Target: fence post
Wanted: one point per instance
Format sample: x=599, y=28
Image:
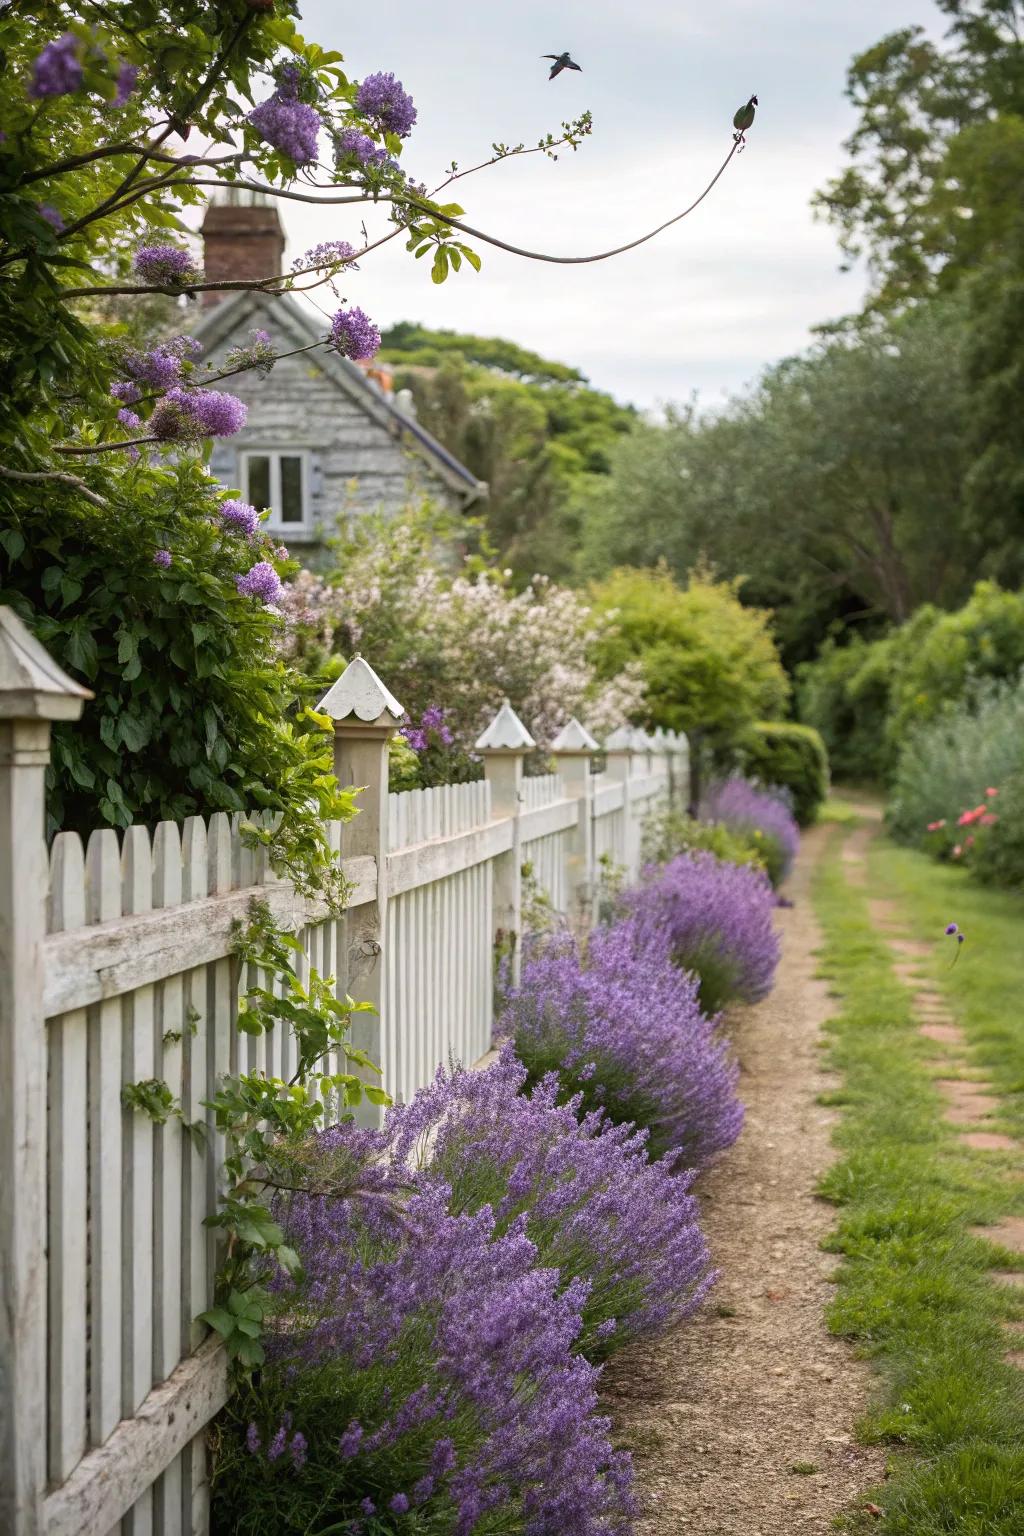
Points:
x=573, y=749
x=504, y=745
x=365, y=715
x=619, y=757
x=679, y=766
x=33, y=691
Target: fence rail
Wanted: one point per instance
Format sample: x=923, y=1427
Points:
x=117, y=966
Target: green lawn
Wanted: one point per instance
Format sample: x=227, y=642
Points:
x=913, y=1290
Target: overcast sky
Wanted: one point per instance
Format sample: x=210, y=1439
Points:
x=707, y=304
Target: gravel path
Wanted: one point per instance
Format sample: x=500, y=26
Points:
x=741, y=1422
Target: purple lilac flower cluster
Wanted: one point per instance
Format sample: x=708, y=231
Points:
x=759, y=815
x=428, y=1363
x=352, y=145
x=289, y=126
x=262, y=582
x=384, y=99
x=595, y=1206
x=715, y=919
x=432, y=720
x=185, y=415
x=623, y=1026
x=168, y=265
x=354, y=334
x=58, y=69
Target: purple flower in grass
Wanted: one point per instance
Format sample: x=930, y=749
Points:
x=58, y=69
x=127, y=75
x=252, y=1440
x=240, y=517
x=952, y=928
x=292, y=127
x=262, y=581
x=167, y=265
x=348, y=1445
x=354, y=334
x=162, y=558
x=384, y=98
x=276, y=1448
x=715, y=920
x=298, y=1450
x=399, y=1504
x=367, y=1507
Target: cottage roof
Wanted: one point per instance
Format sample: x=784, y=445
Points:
x=249, y=309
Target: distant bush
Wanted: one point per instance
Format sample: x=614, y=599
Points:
x=844, y=695
x=788, y=754
x=667, y=832
x=761, y=817
x=718, y=919
x=999, y=856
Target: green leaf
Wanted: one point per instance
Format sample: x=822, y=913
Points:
x=439, y=271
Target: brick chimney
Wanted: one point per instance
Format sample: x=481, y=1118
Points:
x=242, y=240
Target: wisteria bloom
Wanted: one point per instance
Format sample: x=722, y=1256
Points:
x=596, y=1207
x=384, y=98
x=354, y=334
x=261, y=581
x=185, y=415
x=127, y=76
x=52, y=216
x=288, y=125
x=124, y=389
x=623, y=1027
x=58, y=69
x=167, y=265
x=717, y=920
x=257, y=353
x=759, y=815
x=350, y=144
x=129, y=419
x=158, y=368
x=240, y=517
x=329, y=253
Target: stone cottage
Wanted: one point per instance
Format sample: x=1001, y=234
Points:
x=325, y=438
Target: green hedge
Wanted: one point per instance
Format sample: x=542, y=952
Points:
x=780, y=752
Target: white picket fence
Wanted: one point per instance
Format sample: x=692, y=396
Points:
x=117, y=967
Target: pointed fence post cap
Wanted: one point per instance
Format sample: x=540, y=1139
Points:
x=359, y=693
x=641, y=741
x=32, y=686
x=506, y=733
x=620, y=740
x=574, y=738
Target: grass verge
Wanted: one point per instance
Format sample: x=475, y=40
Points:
x=912, y=1289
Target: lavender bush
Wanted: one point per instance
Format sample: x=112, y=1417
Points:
x=422, y=1376
x=761, y=816
x=622, y=1026
x=595, y=1207
x=716, y=919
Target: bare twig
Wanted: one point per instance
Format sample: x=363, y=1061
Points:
x=54, y=474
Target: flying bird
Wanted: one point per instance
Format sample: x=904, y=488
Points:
x=562, y=61
x=744, y=119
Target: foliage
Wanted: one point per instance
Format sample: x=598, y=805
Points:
x=596, y=1209
x=761, y=815
x=715, y=919
x=793, y=756
x=531, y=429
x=998, y=857
x=398, y=597
x=622, y=1028
x=843, y=694
x=423, y=1364
x=667, y=832
x=709, y=665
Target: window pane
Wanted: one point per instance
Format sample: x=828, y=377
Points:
x=258, y=490
x=291, y=489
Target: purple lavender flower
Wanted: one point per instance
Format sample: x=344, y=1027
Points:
x=240, y=517
x=52, y=216
x=952, y=928
x=276, y=1447
x=127, y=75
x=422, y=1490
x=261, y=581
x=624, y=1028
x=252, y=1440
x=399, y=1504
x=354, y=334
x=383, y=98
x=298, y=1450
x=289, y=126
x=367, y=1507
x=348, y=1445
x=167, y=265
x=162, y=558
x=760, y=816
x=58, y=69
x=184, y=415
x=715, y=918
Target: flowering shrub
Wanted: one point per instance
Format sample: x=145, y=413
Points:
x=596, y=1208
x=793, y=756
x=716, y=920
x=760, y=817
x=667, y=832
x=424, y=1366
x=622, y=1026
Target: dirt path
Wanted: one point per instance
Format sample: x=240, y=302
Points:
x=741, y=1422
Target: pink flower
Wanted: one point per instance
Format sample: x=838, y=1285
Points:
x=969, y=841
x=989, y=819
x=991, y=792
x=936, y=826
x=957, y=851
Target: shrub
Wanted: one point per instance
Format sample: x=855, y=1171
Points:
x=947, y=765
x=423, y=1364
x=760, y=817
x=595, y=1207
x=999, y=855
x=791, y=755
x=622, y=1028
x=667, y=832
x=844, y=694
x=717, y=921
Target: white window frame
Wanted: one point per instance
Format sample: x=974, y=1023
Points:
x=273, y=521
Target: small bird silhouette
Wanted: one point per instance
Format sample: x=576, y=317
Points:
x=744, y=119
x=562, y=61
